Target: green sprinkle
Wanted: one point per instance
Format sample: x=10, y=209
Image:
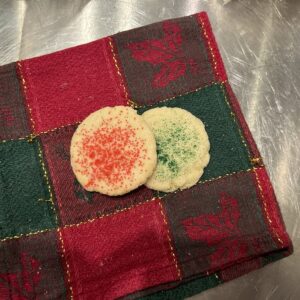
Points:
x=176, y=145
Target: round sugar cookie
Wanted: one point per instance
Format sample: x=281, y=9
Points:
x=182, y=148
x=113, y=151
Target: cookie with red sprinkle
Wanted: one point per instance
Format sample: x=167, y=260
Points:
x=113, y=151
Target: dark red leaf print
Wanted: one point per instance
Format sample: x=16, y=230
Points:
x=214, y=228
x=22, y=283
x=168, y=73
x=230, y=251
x=166, y=53
x=151, y=51
x=172, y=35
x=194, y=67
x=220, y=231
x=7, y=116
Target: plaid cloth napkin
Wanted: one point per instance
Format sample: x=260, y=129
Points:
x=59, y=241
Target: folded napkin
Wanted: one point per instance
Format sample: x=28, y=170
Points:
x=59, y=241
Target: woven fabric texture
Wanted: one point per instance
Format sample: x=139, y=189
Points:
x=58, y=241
x=75, y=203
x=66, y=86
x=164, y=59
x=13, y=120
x=228, y=152
x=25, y=199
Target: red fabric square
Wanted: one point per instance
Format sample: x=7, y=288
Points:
x=76, y=204
x=120, y=254
x=66, y=86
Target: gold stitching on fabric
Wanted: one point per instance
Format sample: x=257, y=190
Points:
x=24, y=235
x=135, y=106
x=257, y=161
x=254, y=161
x=60, y=127
x=152, y=199
x=215, y=178
x=209, y=46
x=111, y=214
x=32, y=136
x=264, y=205
x=132, y=103
x=83, y=222
x=40, y=154
x=180, y=95
x=234, y=119
x=25, y=94
x=63, y=255
x=226, y=175
x=123, y=209
x=170, y=241
x=17, y=139
x=45, y=200
x=129, y=102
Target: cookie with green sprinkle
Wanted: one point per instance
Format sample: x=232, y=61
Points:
x=182, y=148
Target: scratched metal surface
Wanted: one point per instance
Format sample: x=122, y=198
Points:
x=260, y=44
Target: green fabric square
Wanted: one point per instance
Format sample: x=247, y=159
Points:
x=186, y=289
x=23, y=190
x=228, y=152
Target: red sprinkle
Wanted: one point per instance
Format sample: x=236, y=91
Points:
x=110, y=154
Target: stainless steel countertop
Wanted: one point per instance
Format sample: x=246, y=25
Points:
x=260, y=44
